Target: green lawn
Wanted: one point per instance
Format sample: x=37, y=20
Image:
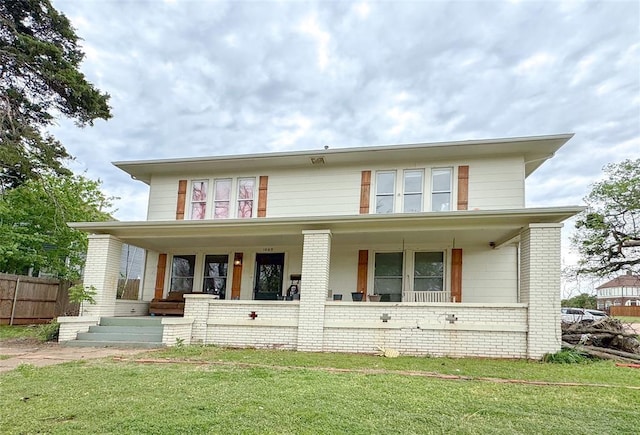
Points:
x=628, y=319
x=248, y=391
x=19, y=332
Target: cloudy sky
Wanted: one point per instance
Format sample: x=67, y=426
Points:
x=193, y=78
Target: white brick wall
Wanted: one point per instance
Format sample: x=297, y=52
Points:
x=70, y=326
x=540, y=286
x=276, y=325
x=196, y=307
x=102, y=270
x=176, y=330
x=316, y=253
x=485, y=330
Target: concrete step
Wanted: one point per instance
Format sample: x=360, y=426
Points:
x=130, y=321
x=120, y=337
x=126, y=329
x=118, y=344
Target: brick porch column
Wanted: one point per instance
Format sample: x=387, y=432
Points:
x=316, y=253
x=540, y=287
x=102, y=270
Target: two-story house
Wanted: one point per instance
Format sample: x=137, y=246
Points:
x=622, y=291
x=439, y=231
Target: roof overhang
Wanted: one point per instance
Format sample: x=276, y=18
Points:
x=534, y=149
x=474, y=227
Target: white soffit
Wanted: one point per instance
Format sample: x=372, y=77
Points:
x=534, y=149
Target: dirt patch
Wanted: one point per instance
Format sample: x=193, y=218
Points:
x=29, y=351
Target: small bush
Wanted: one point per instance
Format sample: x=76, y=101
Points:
x=49, y=331
x=566, y=356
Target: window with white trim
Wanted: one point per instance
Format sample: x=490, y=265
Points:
x=428, y=271
x=387, y=276
x=246, y=193
x=424, y=271
x=182, y=273
x=441, y=182
x=413, y=184
x=385, y=191
x=221, y=198
x=199, y=199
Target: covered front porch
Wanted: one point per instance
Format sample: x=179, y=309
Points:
x=500, y=270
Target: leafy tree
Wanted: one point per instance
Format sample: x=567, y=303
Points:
x=33, y=224
x=608, y=232
x=583, y=300
x=39, y=79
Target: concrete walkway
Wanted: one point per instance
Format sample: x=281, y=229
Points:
x=40, y=355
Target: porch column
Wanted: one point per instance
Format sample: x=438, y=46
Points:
x=316, y=253
x=540, y=287
x=102, y=270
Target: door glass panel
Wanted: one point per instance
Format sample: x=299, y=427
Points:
x=269, y=275
x=428, y=271
x=215, y=275
x=182, y=271
x=388, y=276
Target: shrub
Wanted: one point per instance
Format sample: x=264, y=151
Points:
x=49, y=331
x=566, y=356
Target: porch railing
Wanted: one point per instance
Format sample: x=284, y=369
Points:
x=426, y=296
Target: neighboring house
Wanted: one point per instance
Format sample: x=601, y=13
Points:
x=623, y=291
x=439, y=230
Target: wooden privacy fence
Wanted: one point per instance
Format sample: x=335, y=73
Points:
x=633, y=311
x=128, y=289
x=25, y=300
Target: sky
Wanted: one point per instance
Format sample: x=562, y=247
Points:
x=202, y=78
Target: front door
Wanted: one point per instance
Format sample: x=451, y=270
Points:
x=269, y=274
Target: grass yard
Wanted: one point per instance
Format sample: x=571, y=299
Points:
x=19, y=332
x=628, y=319
x=212, y=390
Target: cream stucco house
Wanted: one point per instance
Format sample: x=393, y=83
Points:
x=439, y=230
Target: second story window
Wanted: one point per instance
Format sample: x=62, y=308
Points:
x=246, y=191
x=199, y=199
x=221, y=198
x=385, y=191
x=412, y=191
x=441, y=189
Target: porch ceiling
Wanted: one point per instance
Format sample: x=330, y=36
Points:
x=467, y=227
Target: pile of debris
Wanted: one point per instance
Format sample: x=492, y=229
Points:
x=605, y=338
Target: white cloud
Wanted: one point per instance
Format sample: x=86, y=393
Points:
x=193, y=78
x=309, y=26
x=362, y=9
x=535, y=64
